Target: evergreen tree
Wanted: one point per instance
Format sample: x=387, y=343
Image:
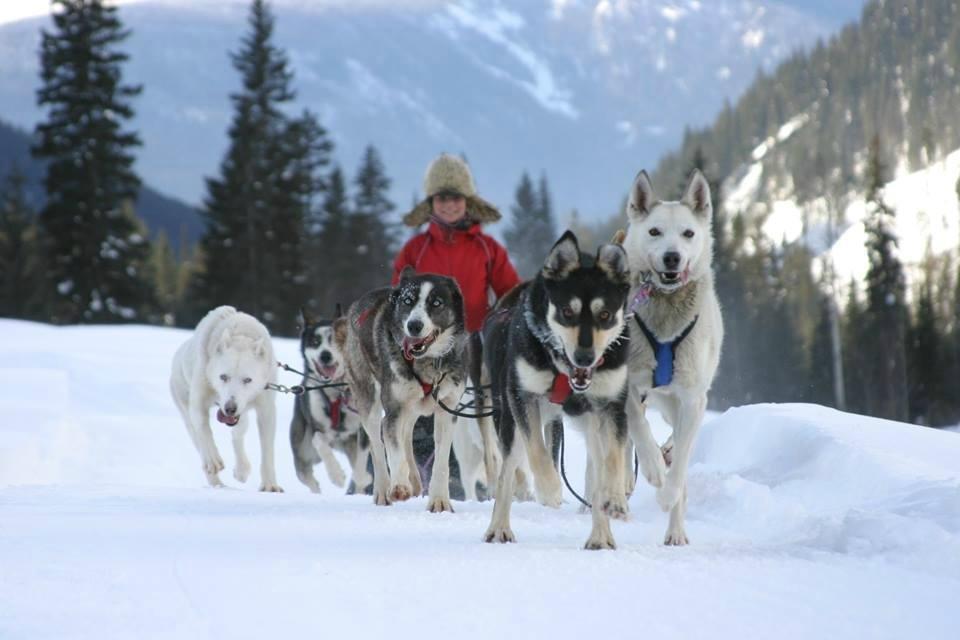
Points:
x=333, y=267
x=95, y=256
x=370, y=230
x=926, y=361
x=886, y=307
x=258, y=209
x=19, y=267
x=857, y=361
x=532, y=231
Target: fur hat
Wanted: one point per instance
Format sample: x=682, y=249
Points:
x=449, y=174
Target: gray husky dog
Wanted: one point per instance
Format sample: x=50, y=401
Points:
x=676, y=332
x=556, y=347
x=405, y=353
x=325, y=419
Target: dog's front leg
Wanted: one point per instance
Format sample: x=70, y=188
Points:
x=601, y=535
x=241, y=468
x=267, y=426
x=546, y=480
x=203, y=437
x=648, y=451
x=373, y=425
x=499, y=529
x=334, y=470
x=442, y=440
x=397, y=423
x=672, y=496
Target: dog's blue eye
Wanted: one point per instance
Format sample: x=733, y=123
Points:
x=688, y=233
x=437, y=302
x=408, y=301
x=225, y=377
x=654, y=231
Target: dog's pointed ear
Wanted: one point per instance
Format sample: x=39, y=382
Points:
x=225, y=338
x=612, y=260
x=303, y=319
x=619, y=237
x=340, y=326
x=260, y=348
x=563, y=258
x=641, y=197
x=697, y=194
x=337, y=311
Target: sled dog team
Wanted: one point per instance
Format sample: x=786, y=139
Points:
x=590, y=343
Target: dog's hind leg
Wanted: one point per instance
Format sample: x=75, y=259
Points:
x=672, y=495
x=648, y=451
x=442, y=441
x=241, y=468
x=359, y=453
x=267, y=427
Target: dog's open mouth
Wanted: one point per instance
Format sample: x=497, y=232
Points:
x=674, y=278
x=326, y=372
x=416, y=347
x=580, y=379
x=230, y=421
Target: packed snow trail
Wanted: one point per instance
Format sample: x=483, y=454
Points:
x=804, y=522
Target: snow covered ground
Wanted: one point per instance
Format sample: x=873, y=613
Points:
x=805, y=523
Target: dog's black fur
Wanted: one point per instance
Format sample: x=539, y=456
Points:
x=569, y=320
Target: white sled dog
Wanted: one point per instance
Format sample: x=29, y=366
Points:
x=228, y=362
x=675, y=333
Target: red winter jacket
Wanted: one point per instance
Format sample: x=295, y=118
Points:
x=475, y=260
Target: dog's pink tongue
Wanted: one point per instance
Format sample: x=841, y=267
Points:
x=227, y=420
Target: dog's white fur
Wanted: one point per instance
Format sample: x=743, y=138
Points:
x=227, y=363
x=656, y=228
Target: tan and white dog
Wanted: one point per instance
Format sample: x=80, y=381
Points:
x=228, y=362
x=675, y=333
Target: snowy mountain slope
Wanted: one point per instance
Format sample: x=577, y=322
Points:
x=587, y=91
x=925, y=201
x=805, y=522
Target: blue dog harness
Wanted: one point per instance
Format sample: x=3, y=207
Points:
x=665, y=352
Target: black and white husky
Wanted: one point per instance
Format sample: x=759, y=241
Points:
x=556, y=347
x=405, y=352
x=324, y=418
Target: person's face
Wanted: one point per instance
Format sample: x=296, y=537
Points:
x=448, y=207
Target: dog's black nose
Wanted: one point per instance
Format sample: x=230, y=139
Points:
x=671, y=260
x=583, y=357
x=414, y=327
x=325, y=357
x=230, y=408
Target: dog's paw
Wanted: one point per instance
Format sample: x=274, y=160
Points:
x=336, y=475
x=380, y=497
x=213, y=464
x=524, y=494
x=241, y=471
x=615, y=506
x=667, y=452
x=652, y=467
x=669, y=495
x=549, y=492
x=270, y=487
x=439, y=504
x=499, y=534
x=400, y=492
x=599, y=541
x=676, y=537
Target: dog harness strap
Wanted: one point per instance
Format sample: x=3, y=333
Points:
x=335, y=413
x=665, y=352
x=560, y=390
